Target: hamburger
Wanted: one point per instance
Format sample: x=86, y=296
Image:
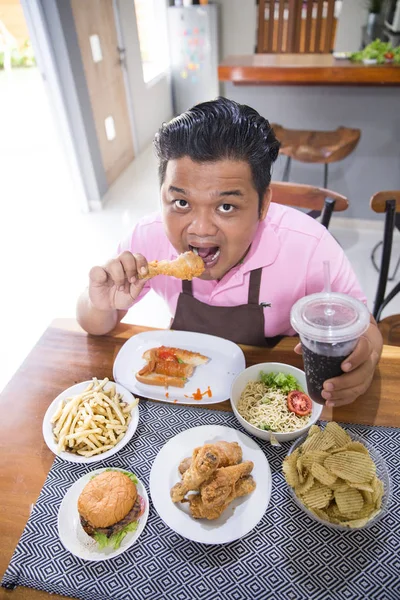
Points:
x=109, y=507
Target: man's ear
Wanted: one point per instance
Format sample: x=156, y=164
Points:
x=266, y=201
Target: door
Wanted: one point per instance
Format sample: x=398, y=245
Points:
x=98, y=42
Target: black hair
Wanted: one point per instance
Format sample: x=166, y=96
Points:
x=217, y=130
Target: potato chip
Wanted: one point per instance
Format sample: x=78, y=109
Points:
x=377, y=494
x=315, y=456
x=302, y=488
x=318, y=496
x=368, y=497
x=290, y=470
x=367, y=487
x=313, y=429
x=349, y=501
x=339, y=484
x=323, y=476
x=319, y=441
x=355, y=523
x=354, y=467
x=339, y=435
x=357, y=447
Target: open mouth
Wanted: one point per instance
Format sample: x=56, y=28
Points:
x=209, y=255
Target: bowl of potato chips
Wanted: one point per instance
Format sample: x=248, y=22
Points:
x=90, y=421
x=337, y=478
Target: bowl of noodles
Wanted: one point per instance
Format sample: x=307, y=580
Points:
x=259, y=400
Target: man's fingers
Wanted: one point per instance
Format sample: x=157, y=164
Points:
x=342, y=402
x=359, y=355
x=141, y=265
x=129, y=265
x=298, y=349
x=98, y=276
x=347, y=381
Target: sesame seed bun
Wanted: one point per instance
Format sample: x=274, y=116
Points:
x=107, y=498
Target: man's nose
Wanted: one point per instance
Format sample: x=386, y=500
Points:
x=202, y=224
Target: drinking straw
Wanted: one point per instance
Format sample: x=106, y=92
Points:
x=329, y=311
x=327, y=277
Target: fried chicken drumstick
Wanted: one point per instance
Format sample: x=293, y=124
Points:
x=205, y=461
x=186, y=266
x=221, y=486
x=199, y=510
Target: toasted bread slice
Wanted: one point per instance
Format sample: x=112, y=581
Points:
x=186, y=356
x=161, y=380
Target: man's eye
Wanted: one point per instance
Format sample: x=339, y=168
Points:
x=226, y=208
x=181, y=203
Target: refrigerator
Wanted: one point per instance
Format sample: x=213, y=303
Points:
x=193, y=44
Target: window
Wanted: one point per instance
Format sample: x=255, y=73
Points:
x=151, y=21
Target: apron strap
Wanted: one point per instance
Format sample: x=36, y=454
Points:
x=254, y=286
x=187, y=287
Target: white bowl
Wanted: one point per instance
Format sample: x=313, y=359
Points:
x=381, y=472
x=253, y=374
x=47, y=427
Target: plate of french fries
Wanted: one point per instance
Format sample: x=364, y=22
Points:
x=90, y=421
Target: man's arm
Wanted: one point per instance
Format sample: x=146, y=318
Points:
x=95, y=321
x=112, y=290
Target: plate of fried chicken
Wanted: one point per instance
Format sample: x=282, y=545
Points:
x=211, y=484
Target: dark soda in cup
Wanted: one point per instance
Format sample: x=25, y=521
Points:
x=329, y=325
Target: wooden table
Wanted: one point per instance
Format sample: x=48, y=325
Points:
x=66, y=355
x=304, y=69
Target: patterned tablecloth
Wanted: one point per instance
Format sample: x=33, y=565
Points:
x=286, y=556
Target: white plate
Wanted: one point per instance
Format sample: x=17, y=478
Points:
x=226, y=360
x=239, y=517
x=71, y=532
x=78, y=389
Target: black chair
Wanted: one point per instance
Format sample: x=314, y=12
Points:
x=388, y=203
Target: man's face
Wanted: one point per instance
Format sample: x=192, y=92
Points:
x=212, y=209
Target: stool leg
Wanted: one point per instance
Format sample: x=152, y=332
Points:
x=286, y=172
x=326, y=176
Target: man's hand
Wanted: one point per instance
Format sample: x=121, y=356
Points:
x=358, y=369
x=116, y=285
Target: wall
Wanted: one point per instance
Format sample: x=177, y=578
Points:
x=151, y=103
x=238, y=26
x=374, y=164
x=353, y=17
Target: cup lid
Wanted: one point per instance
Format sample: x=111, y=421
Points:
x=330, y=317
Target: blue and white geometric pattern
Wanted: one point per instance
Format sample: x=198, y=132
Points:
x=287, y=556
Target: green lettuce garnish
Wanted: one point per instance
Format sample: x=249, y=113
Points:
x=115, y=540
x=131, y=476
x=280, y=381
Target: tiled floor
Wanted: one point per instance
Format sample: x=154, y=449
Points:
x=47, y=246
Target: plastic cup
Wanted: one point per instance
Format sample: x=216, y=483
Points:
x=329, y=325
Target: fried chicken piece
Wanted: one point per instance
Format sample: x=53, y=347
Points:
x=230, y=454
x=244, y=486
x=221, y=485
x=185, y=464
x=205, y=461
x=186, y=266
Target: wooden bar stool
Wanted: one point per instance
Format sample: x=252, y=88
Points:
x=317, y=200
x=388, y=203
x=321, y=147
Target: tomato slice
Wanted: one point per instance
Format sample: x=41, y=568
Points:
x=299, y=403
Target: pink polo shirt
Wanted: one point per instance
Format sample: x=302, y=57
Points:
x=289, y=246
